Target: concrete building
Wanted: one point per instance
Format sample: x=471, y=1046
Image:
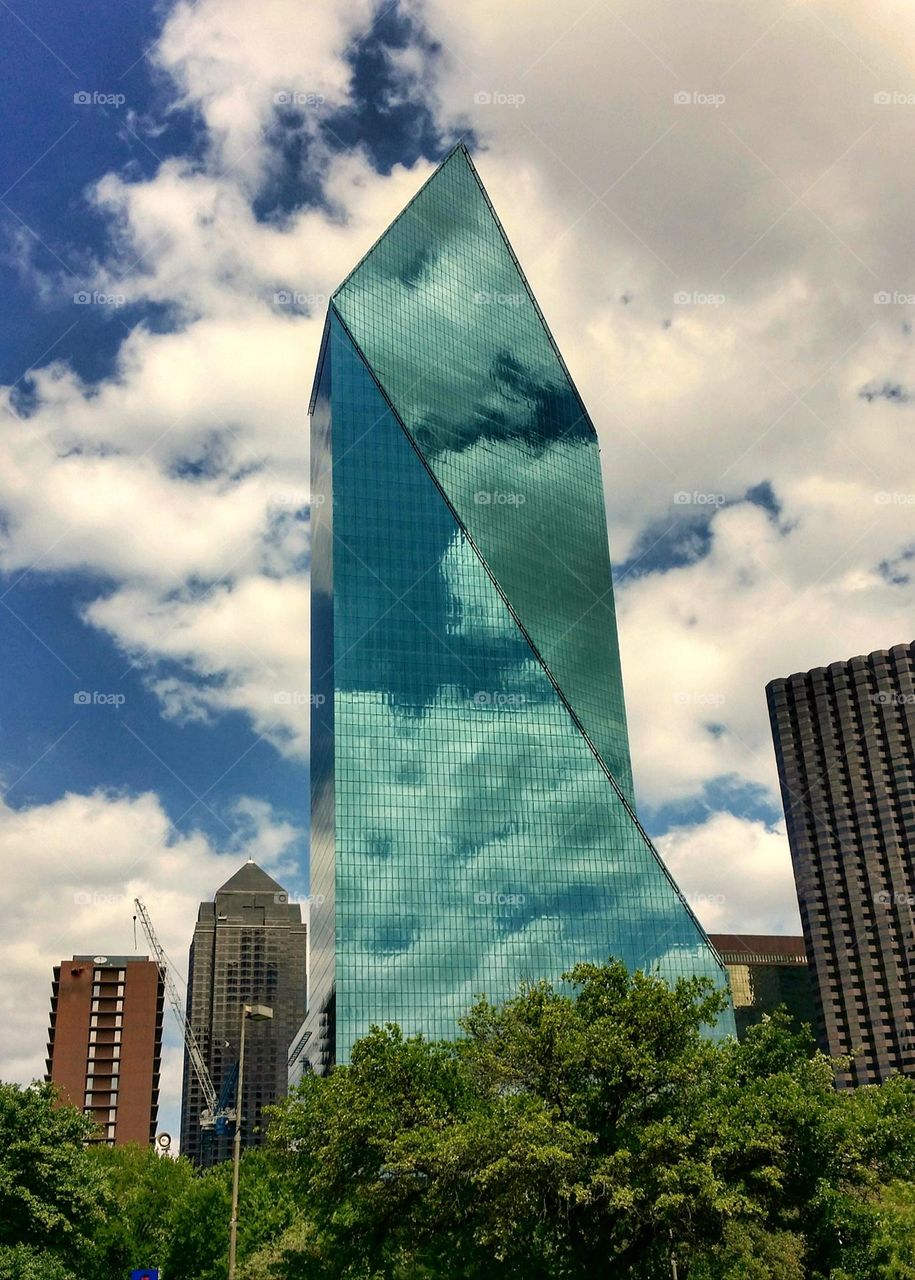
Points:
x=845, y=747
x=766, y=971
x=249, y=947
x=105, y=1042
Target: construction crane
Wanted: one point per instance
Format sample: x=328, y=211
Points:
x=218, y=1113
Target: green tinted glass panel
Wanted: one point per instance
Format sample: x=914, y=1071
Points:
x=465, y=834
x=445, y=319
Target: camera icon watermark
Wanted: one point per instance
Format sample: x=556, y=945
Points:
x=297, y=298
x=495, y=498
x=696, y=98
x=95, y=298
x=484, y=298
x=495, y=698
x=695, y=298
x=97, y=698
x=684, y=499
x=699, y=900
x=894, y=499
x=496, y=98
x=298, y=98
x=296, y=499
x=892, y=698
x=700, y=698
x=83, y=98
x=92, y=898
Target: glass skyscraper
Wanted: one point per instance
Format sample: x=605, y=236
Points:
x=472, y=804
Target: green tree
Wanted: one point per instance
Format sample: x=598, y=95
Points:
x=590, y=1130
x=145, y=1192
x=894, y=1236
x=198, y=1243
x=52, y=1194
x=586, y=1130
x=24, y=1262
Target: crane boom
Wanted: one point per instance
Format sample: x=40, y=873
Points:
x=190, y=1040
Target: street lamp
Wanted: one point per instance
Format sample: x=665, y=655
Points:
x=256, y=1013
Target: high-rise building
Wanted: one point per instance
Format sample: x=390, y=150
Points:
x=766, y=972
x=472, y=804
x=105, y=1042
x=845, y=748
x=249, y=948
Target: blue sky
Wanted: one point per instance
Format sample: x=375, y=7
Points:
x=59, y=147
x=706, y=226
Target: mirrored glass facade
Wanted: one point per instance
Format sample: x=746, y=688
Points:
x=472, y=819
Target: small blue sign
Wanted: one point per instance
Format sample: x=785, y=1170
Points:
x=145, y=1273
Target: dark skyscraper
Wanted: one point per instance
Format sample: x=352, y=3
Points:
x=845, y=747
x=249, y=947
x=473, y=819
x=766, y=971
x=105, y=1042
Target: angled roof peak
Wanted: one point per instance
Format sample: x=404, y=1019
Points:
x=459, y=149
x=250, y=878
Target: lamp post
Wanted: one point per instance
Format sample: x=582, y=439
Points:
x=257, y=1013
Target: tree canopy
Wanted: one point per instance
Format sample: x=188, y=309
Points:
x=593, y=1131
x=587, y=1129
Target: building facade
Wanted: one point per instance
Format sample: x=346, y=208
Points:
x=766, y=972
x=105, y=1042
x=473, y=818
x=249, y=947
x=845, y=747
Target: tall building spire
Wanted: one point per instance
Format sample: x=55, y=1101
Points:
x=473, y=819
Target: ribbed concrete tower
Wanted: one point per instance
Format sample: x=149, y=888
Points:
x=845, y=748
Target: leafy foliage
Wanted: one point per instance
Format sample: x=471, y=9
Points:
x=590, y=1129
x=52, y=1195
x=147, y=1191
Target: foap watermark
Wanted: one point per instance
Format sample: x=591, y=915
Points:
x=496, y=498
x=296, y=499
x=95, y=298
x=496, y=98
x=495, y=698
x=897, y=899
x=892, y=698
x=489, y=898
x=298, y=98
x=885, y=298
x=298, y=698
x=300, y=899
x=684, y=499
x=894, y=98
x=695, y=298
x=483, y=298
x=296, y=298
x=700, y=698
x=698, y=98
x=98, y=698
x=83, y=98
x=894, y=499
x=92, y=898
x=699, y=900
